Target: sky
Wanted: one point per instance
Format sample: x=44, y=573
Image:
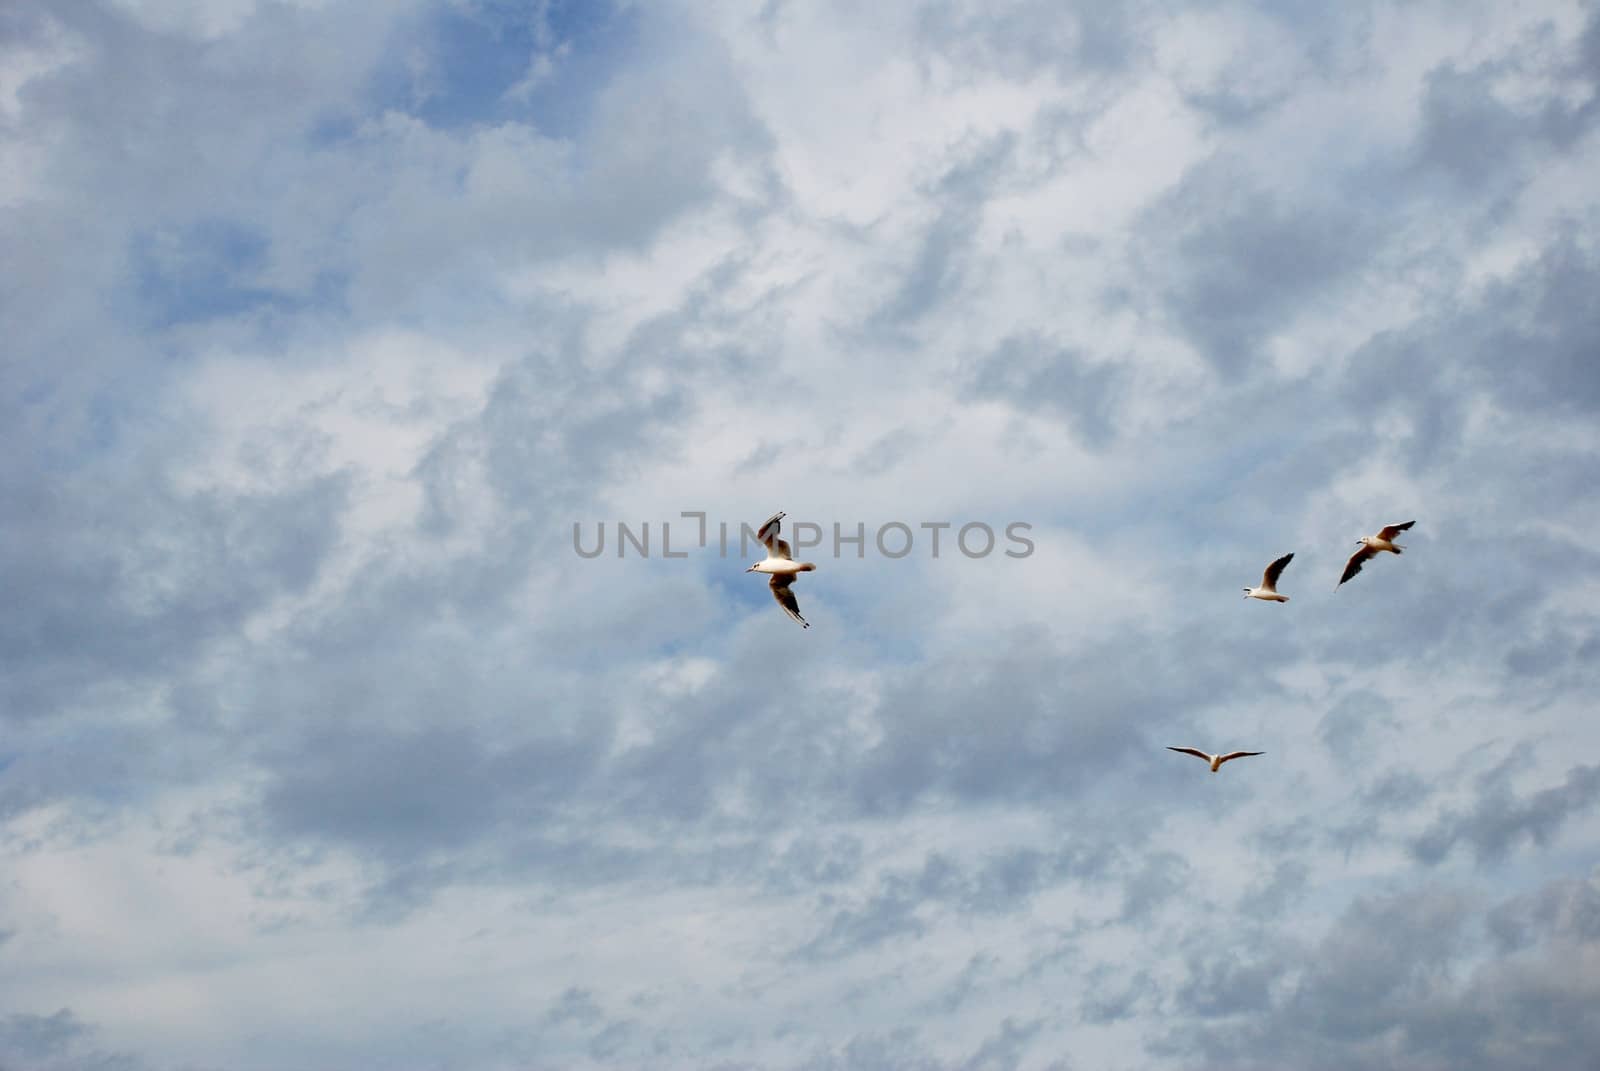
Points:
x=328, y=321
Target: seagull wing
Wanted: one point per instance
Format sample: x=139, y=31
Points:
x=1196, y=752
x=1357, y=560
x=769, y=530
x=785, y=595
x=779, y=548
x=1389, y=531
x=1238, y=755
x=1269, y=579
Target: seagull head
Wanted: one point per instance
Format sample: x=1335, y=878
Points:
x=753, y=568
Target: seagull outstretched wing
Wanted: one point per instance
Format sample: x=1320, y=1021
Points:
x=1269, y=579
x=768, y=535
x=1389, y=531
x=1357, y=560
x=785, y=595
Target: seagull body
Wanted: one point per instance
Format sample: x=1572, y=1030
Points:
x=1371, y=547
x=1216, y=761
x=781, y=568
x=1268, y=591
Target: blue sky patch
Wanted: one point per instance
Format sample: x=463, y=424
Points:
x=209, y=270
x=199, y=272
x=474, y=63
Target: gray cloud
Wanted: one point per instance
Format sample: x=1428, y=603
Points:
x=1568, y=908
x=1034, y=375
x=1220, y=985
x=37, y=1037
x=903, y=1050
x=56, y=1042
x=1005, y=725
x=1471, y=134
x=1108, y=1004
x=1500, y=819
x=1234, y=260
x=1350, y=728
x=935, y=272
x=1288, y=885
x=1382, y=956
x=1158, y=879
x=120, y=585
x=1541, y=313
x=1071, y=40
x=906, y=902
x=1389, y=985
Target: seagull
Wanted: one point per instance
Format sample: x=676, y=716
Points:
x=781, y=567
x=1268, y=590
x=1216, y=761
x=1370, y=546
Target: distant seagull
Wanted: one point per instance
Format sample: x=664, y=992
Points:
x=1268, y=590
x=781, y=567
x=1216, y=761
x=1370, y=546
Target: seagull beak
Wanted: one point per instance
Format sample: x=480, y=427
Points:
x=751, y=569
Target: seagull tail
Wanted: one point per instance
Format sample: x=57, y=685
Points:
x=805, y=567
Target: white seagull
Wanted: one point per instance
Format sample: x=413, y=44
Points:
x=1216, y=761
x=781, y=567
x=1370, y=546
x=1268, y=590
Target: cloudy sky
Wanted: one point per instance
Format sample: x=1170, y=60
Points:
x=326, y=320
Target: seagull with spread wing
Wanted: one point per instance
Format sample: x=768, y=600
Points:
x=1371, y=547
x=780, y=567
x=1216, y=761
x=1268, y=591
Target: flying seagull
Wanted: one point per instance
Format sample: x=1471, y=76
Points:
x=1216, y=761
x=1268, y=591
x=1370, y=546
x=781, y=567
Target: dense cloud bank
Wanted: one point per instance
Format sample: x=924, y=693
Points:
x=327, y=321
